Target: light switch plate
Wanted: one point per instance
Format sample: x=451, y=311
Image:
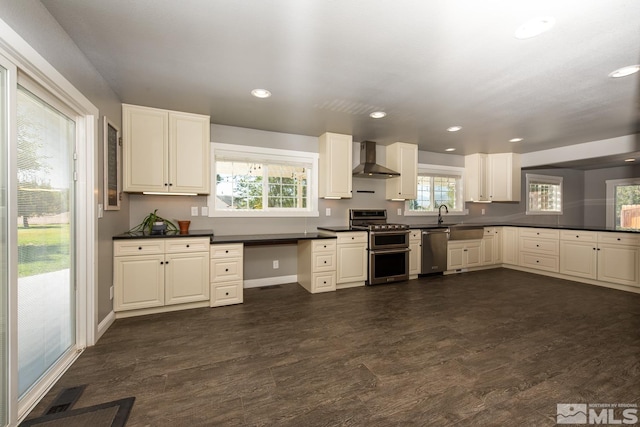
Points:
x=327, y=211
x=194, y=211
x=400, y=211
x=205, y=210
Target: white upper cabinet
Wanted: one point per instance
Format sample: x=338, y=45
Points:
x=402, y=158
x=165, y=151
x=492, y=177
x=335, y=165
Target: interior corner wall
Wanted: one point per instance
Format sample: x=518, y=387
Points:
x=31, y=20
x=595, y=194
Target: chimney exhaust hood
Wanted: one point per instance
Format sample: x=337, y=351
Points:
x=368, y=168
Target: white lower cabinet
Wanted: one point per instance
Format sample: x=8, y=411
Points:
x=510, y=245
x=227, y=273
x=415, y=255
x=578, y=254
x=317, y=265
x=492, y=246
x=154, y=273
x=464, y=254
x=351, y=259
x=539, y=249
x=618, y=258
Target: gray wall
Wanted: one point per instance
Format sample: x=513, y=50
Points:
x=32, y=21
x=595, y=191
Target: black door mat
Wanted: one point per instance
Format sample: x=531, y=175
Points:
x=110, y=414
x=65, y=399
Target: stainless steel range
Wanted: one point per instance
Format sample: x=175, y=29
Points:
x=388, y=245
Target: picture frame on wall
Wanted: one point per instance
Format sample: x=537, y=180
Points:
x=112, y=166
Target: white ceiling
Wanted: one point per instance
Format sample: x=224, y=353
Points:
x=429, y=64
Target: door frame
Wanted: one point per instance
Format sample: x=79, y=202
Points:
x=26, y=59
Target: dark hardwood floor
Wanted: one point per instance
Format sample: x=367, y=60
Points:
x=496, y=347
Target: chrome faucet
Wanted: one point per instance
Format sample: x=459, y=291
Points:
x=446, y=209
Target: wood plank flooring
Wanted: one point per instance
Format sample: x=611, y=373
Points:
x=495, y=347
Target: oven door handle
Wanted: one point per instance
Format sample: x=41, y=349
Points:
x=388, y=251
x=375, y=233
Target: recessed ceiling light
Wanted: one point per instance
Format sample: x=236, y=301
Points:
x=624, y=71
x=534, y=27
x=261, y=93
x=629, y=160
x=454, y=128
x=515, y=140
x=450, y=149
x=377, y=114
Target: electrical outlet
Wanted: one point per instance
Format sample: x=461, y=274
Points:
x=400, y=211
x=194, y=211
x=276, y=264
x=482, y=211
x=327, y=211
x=111, y=292
x=204, y=210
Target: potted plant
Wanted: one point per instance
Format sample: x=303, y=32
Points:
x=154, y=224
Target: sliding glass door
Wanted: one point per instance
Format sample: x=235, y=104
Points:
x=46, y=279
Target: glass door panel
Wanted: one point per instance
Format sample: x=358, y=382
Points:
x=46, y=291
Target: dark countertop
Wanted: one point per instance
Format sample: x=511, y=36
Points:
x=510, y=224
x=269, y=239
x=168, y=234
x=337, y=228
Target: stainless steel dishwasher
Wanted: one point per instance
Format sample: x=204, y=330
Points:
x=434, y=250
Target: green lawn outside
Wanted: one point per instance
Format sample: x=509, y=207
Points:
x=43, y=249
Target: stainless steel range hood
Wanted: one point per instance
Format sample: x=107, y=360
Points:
x=368, y=168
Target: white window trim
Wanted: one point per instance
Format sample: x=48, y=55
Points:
x=265, y=154
x=544, y=179
x=440, y=170
x=611, y=200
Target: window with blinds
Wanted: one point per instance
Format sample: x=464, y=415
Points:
x=544, y=195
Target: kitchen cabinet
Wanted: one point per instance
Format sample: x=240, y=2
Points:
x=402, y=158
x=155, y=273
x=464, y=254
x=510, y=245
x=317, y=265
x=492, y=246
x=578, y=253
x=351, y=259
x=492, y=177
x=335, y=166
x=539, y=248
x=165, y=151
x=618, y=258
x=227, y=274
x=415, y=255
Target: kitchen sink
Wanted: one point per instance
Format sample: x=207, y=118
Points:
x=466, y=232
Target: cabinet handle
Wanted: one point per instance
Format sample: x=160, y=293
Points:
x=139, y=248
x=325, y=262
x=594, y=249
x=166, y=262
x=537, y=246
x=325, y=282
x=226, y=252
x=598, y=248
x=538, y=234
x=226, y=293
x=465, y=250
x=170, y=184
x=166, y=184
x=352, y=238
x=537, y=261
x=618, y=239
x=226, y=269
x=187, y=245
x=577, y=237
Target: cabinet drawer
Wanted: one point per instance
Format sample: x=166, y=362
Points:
x=357, y=237
x=325, y=282
x=415, y=235
x=630, y=239
x=324, y=245
x=550, y=247
x=323, y=261
x=138, y=247
x=578, y=235
x=226, y=294
x=226, y=251
x=489, y=231
x=541, y=262
x=224, y=270
x=541, y=233
x=182, y=245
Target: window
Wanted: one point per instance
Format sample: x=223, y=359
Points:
x=544, y=195
x=623, y=204
x=254, y=181
x=437, y=185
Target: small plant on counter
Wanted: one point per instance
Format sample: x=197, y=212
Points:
x=146, y=226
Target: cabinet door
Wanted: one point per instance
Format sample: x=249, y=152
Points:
x=189, y=153
x=475, y=182
x=473, y=254
x=138, y=282
x=488, y=244
x=497, y=245
x=415, y=258
x=510, y=245
x=186, y=277
x=455, y=258
x=504, y=177
x=352, y=263
x=335, y=165
x=578, y=259
x=618, y=264
x=402, y=158
x=145, y=149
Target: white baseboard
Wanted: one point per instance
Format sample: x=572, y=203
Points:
x=105, y=324
x=270, y=281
